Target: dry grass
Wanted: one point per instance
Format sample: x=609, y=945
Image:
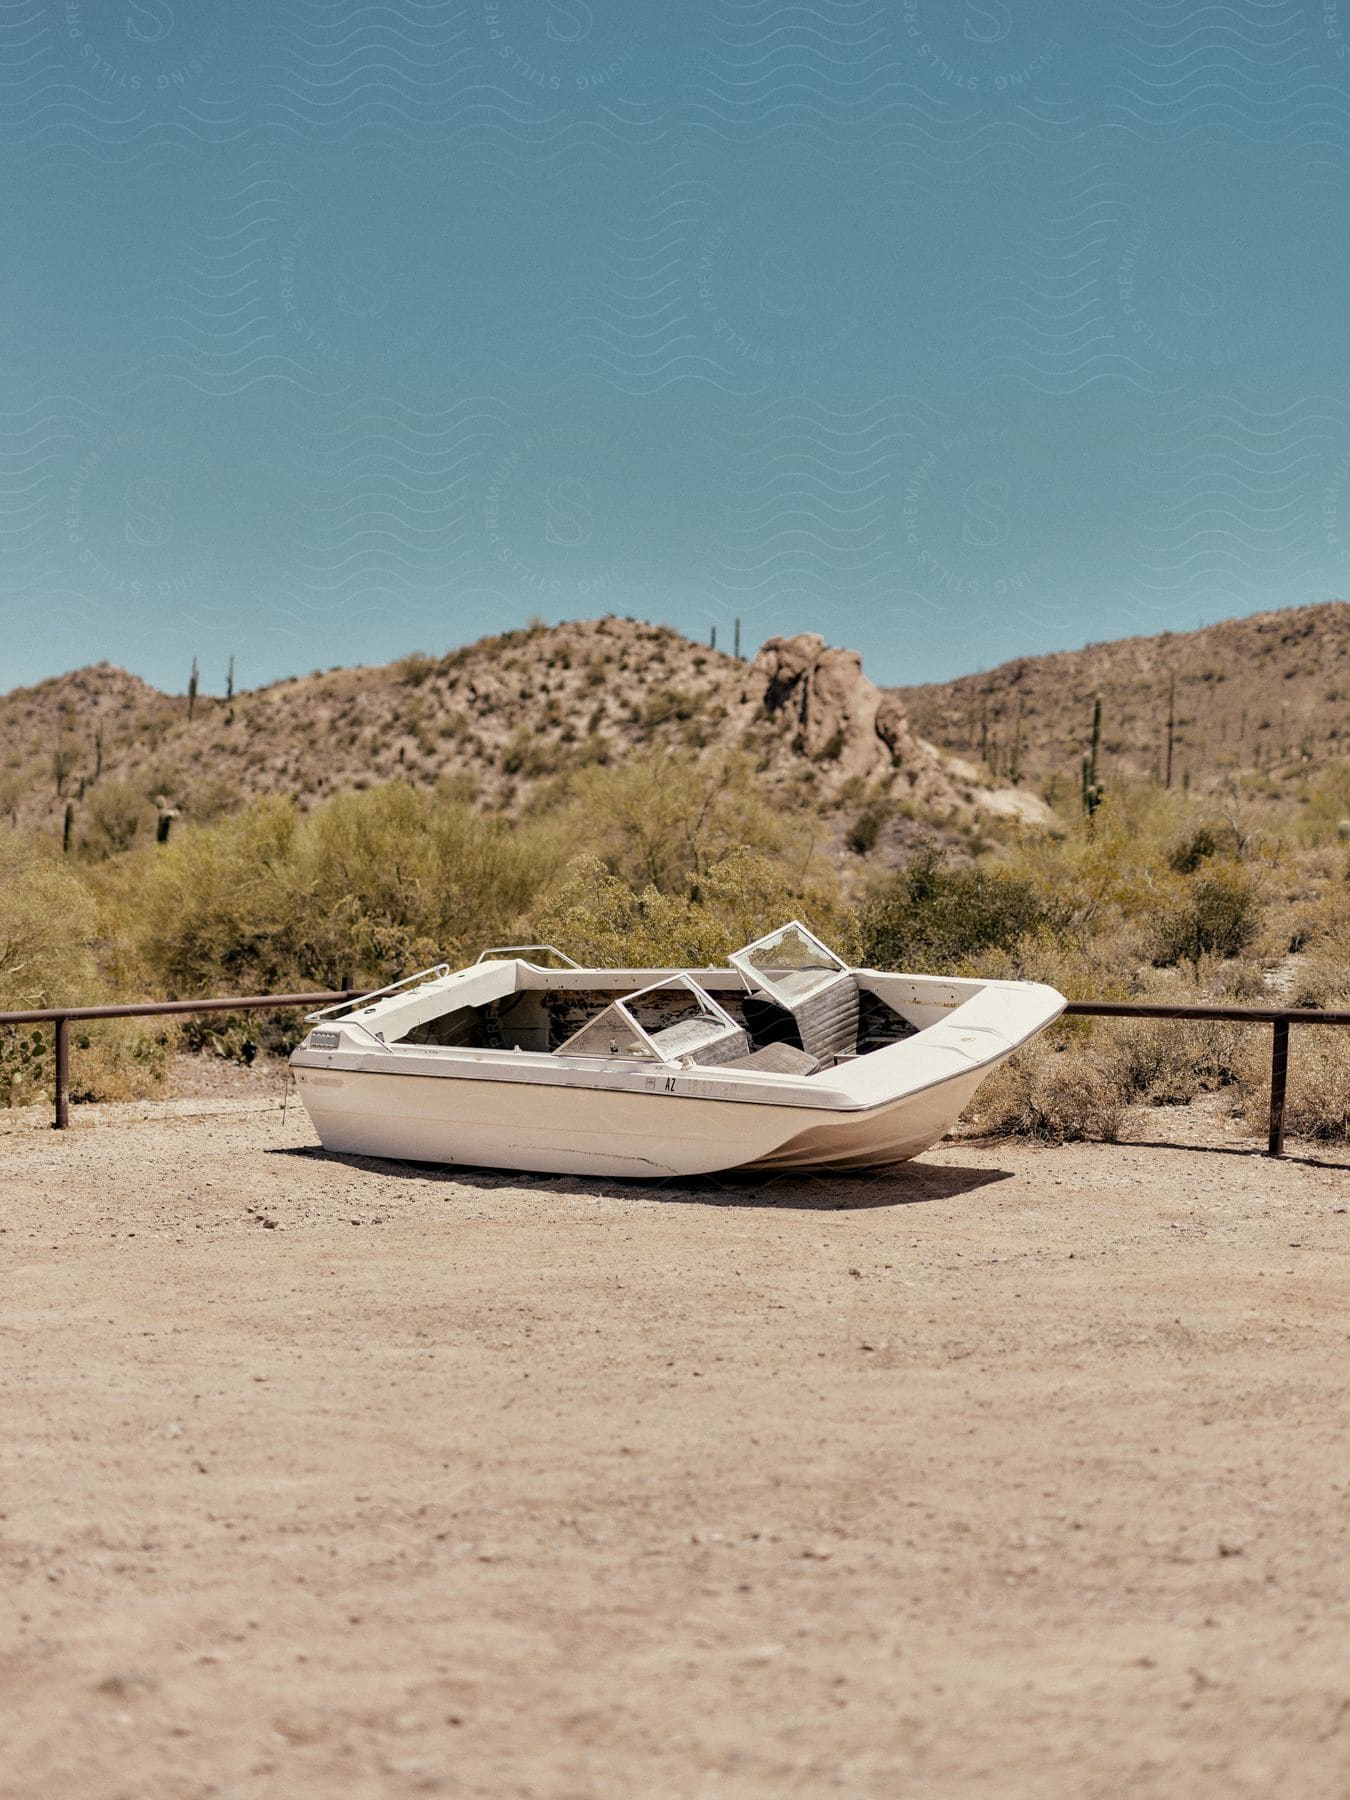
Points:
x=1077, y=1081
x=1317, y=1104
x=50, y=939
x=1054, y=1093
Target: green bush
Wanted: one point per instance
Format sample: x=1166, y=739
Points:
x=50, y=932
x=599, y=918
x=862, y=835
x=930, y=916
x=367, y=887
x=1218, y=914
x=114, y=815
x=661, y=820
x=1188, y=855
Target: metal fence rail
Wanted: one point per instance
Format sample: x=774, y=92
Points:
x=1280, y=1018
x=60, y=1017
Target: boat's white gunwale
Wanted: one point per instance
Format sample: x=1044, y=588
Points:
x=540, y=1071
x=732, y=1087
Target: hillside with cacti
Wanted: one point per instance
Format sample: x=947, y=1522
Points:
x=1245, y=706
x=100, y=759
x=1244, y=710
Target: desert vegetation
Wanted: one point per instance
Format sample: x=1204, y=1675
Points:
x=637, y=798
x=1260, y=699
x=664, y=859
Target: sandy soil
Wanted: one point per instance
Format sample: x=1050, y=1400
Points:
x=1020, y=1472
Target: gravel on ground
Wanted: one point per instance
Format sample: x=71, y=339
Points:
x=1015, y=1472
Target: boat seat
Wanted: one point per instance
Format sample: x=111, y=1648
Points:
x=700, y=1041
x=768, y=1022
x=824, y=1023
x=777, y=1059
x=828, y=1018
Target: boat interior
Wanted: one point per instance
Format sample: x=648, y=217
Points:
x=785, y=1005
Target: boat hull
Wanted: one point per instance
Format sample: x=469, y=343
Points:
x=580, y=1131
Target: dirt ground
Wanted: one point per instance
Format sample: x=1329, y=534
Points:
x=1017, y=1472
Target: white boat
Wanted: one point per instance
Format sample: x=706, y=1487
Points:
x=785, y=1059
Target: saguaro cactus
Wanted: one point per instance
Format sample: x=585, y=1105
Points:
x=1093, y=791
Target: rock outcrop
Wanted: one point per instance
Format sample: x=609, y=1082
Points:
x=842, y=723
x=498, y=717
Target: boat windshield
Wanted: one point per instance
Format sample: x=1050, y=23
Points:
x=666, y=1022
x=613, y=1032
x=789, y=964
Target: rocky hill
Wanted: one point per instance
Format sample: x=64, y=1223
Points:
x=499, y=717
x=1264, y=697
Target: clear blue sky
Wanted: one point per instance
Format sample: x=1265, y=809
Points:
x=952, y=329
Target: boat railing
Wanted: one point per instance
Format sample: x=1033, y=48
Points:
x=434, y=973
x=498, y=950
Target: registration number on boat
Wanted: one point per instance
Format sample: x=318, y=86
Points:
x=685, y=1087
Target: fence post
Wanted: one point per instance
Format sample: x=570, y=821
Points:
x=62, y=1119
x=1279, y=1081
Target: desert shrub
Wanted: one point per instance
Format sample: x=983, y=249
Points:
x=1322, y=979
x=1320, y=932
x=238, y=1037
x=1325, y=806
x=1240, y=980
x=862, y=835
x=49, y=935
x=120, y=1059
x=1168, y=1062
x=663, y=821
x=1078, y=1079
x=669, y=703
x=1056, y=1092
x=413, y=670
x=48, y=926
x=526, y=754
x=13, y=788
x=114, y=814
x=1191, y=851
x=163, y=780
x=213, y=796
x=366, y=887
x=1217, y=914
x=1317, y=1101
x=598, y=917
x=934, y=916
